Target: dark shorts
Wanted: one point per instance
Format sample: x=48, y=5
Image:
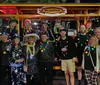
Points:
x=79, y=61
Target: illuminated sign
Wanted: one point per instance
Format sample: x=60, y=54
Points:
x=52, y=11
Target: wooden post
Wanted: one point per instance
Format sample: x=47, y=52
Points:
x=85, y=13
x=18, y=25
x=78, y=24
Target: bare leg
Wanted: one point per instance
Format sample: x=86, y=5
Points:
x=67, y=77
x=79, y=73
x=72, y=78
x=99, y=80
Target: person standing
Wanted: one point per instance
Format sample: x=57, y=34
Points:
x=89, y=29
x=30, y=67
x=4, y=60
x=68, y=56
x=28, y=27
x=81, y=41
x=91, y=61
x=17, y=61
x=45, y=59
x=12, y=28
x=97, y=34
x=56, y=29
x=46, y=30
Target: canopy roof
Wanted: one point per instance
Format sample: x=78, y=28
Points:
x=74, y=11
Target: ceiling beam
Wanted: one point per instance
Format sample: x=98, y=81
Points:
x=37, y=15
x=67, y=4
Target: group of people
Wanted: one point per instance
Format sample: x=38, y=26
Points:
x=28, y=58
x=24, y=59
x=88, y=53
x=81, y=51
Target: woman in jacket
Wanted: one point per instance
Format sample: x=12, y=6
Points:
x=17, y=61
x=12, y=28
x=91, y=60
x=97, y=34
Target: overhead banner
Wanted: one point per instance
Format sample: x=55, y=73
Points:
x=52, y=11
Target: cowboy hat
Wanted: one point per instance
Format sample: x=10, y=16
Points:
x=36, y=37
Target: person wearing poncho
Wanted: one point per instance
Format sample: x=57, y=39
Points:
x=31, y=59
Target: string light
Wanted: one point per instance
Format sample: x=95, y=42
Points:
x=4, y=52
x=65, y=53
x=92, y=48
x=87, y=52
x=43, y=46
x=80, y=42
x=78, y=39
x=87, y=40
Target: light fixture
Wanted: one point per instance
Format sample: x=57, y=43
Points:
x=35, y=23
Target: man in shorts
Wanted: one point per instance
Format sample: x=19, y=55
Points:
x=68, y=56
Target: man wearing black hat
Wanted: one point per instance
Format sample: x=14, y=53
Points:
x=11, y=30
x=68, y=55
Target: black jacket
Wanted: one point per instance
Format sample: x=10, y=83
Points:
x=12, y=33
x=48, y=54
x=4, y=54
x=69, y=44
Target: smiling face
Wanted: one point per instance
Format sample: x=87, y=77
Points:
x=44, y=37
x=82, y=29
x=97, y=33
x=44, y=27
x=63, y=33
x=57, y=25
x=27, y=26
x=4, y=37
x=31, y=40
x=16, y=40
x=13, y=25
x=93, y=41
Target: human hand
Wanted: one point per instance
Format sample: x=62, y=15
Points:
x=75, y=59
x=63, y=49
